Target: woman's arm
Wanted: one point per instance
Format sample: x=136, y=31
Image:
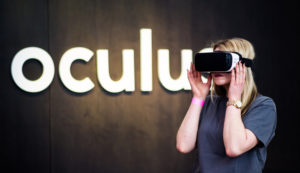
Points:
x=187, y=132
x=237, y=139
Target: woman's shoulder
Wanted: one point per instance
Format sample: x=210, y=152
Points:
x=263, y=102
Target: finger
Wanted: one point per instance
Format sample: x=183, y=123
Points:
x=189, y=75
x=194, y=71
x=238, y=73
x=232, y=76
x=189, y=70
x=190, y=78
x=241, y=73
x=245, y=72
x=235, y=75
x=198, y=75
x=208, y=80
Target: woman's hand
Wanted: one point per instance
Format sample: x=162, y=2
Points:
x=236, y=87
x=199, y=89
x=237, y=138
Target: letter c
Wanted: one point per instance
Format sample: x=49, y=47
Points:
x=78, y=86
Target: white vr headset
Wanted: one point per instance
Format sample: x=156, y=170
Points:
x=219, y=61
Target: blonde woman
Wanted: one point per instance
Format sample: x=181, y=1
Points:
x=228, y=137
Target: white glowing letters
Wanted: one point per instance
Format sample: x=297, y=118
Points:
x=164, y=70
x=127, y=80
x=78, y=86
x=125, y=83
x=17, y=66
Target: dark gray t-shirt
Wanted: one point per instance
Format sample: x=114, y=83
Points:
x=260, y=119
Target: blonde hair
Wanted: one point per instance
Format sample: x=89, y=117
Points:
x=246, y=49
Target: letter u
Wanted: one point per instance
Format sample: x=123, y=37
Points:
x=164, y=70
x=127, y=80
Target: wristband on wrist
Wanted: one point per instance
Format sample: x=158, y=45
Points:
x=197, y=101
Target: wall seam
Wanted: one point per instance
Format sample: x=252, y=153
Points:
x=50, y=134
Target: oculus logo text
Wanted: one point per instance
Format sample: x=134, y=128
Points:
x=125, y=83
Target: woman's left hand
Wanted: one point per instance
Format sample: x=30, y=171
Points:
x=236, y=87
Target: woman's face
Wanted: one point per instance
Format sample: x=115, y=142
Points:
x=221, y=78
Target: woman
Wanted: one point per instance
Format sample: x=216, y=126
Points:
x=228, y=137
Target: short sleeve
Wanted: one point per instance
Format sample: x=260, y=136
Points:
x=261, y=119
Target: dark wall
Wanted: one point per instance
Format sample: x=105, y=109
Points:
x=59, y=131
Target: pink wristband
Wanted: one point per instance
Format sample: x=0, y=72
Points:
x=197, y=101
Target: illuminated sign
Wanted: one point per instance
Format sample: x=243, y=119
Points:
x=48, y=69
x=164, y=70
x=64, y=69
x=125, y=83
x=127, y=80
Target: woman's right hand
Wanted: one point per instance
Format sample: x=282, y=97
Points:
x=200, y=90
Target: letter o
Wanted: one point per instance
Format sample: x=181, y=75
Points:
x=44, y=80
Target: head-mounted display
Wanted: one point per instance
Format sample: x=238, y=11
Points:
x=219, y=61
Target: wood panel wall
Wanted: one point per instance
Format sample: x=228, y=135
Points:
x=57, y=130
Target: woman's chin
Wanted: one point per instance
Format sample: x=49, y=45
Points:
x=220, y=83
